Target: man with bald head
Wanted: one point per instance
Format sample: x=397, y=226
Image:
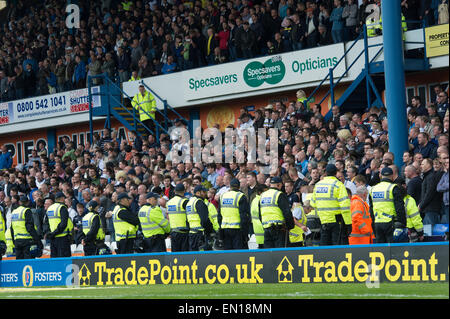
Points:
x=414, y=182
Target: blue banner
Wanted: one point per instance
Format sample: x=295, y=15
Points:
x=36, y=272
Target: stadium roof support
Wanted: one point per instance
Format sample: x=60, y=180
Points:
x=395, y=79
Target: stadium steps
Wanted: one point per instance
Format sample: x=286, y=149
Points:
x=114, y=102
x=354, y=99
x=123, y=116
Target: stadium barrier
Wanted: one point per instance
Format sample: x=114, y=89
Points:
x=369, y=264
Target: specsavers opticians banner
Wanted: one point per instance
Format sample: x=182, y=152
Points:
x=263, y=73
x=46, y=106
x=369, y=264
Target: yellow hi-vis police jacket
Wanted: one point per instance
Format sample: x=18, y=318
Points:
x=145, y=105
x=258, y=228
x=177, y=214
x=229, y=209
x=296, y=233
x=413, y=218
x=330, y=198
x=153, y=221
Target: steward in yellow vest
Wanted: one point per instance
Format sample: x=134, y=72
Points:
x=296, y=237
x=387, y=208
x=176, y=209
x=200, y=226
x=413, y=219
x=126, y=5
x=155, y=226
x=234, y=210
x=212, y=215
x=374, y=28
x=134, y=77
x=255, y=211
x=276, y=216
x=301, y=97
x=145, y=104
x=3, y=246
x=125, y=223
x=94, y=236
x=60, y=228
x=330, y=200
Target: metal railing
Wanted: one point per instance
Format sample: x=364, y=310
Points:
x=134, y=113
x=369, y=82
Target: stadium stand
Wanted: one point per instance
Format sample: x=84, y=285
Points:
x=39, y=54
x=136, y=39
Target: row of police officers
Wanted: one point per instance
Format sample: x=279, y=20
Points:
x=195, y=224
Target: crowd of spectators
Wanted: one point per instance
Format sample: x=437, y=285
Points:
x=40, y=54
x=356, y=143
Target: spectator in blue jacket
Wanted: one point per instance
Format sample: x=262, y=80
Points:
x=170, y=66
x=5, y=158
x=80, y=73
x=338, y=23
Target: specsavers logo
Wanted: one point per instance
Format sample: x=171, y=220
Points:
x=271, y=72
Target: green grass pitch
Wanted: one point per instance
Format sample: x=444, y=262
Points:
x=238, y=291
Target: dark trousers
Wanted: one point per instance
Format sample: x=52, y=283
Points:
x=198, y=242
x=60, y=247
x=90, y=249
x=125, y=246
x=179, y=241
x=155, y=244
x=234, y=239
x=329, y=234
x=23, y=248
x=384, y=232
x=275, y=237
x=149, y=124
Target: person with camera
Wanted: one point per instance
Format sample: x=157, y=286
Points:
x=155, y=226
x=276, y=216
x=234, y=209
x=94, y=236
x=23, y=231
x=125, y=223
x=200, y=226
x=60, y=227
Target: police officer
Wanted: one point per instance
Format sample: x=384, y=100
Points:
x=255, y=211
x=155, y=226
x=60, y=227
x=296, y=234
x=387, y=208
x=200, y=226
x=276, y=216
x=125, y=223
x=176, y=209
x=330, y=199
x=213, y=216
x=23, y=230
x=234, y=210
x=94, y=236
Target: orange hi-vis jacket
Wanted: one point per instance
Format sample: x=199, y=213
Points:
x=362, y=232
